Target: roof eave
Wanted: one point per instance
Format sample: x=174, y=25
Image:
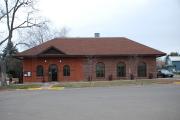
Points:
x=97, y=55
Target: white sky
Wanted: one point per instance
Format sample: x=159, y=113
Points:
x=155, y=23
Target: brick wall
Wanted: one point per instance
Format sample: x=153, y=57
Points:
x=82, y=68
x=75, y=67
x=111, y=65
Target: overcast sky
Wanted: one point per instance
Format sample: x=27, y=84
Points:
x=155, y=23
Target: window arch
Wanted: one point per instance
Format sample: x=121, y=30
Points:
x=39, y=70
x=142, y=69
x=66, y=70
x=121, y=70
x=100, y=70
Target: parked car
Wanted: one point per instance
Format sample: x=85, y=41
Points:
x=164, y=73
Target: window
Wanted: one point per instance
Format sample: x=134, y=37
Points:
x=121, y=70
x=66, y=70
x=141, y=70
x=39, y=70
x=100, y=70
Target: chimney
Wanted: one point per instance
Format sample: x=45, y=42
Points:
x=96, y=35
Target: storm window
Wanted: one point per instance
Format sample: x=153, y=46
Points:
x=39, y=70
x=66, y=70
x=121, y=70
x=100, y=70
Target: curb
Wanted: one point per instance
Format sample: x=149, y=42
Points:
x=177, y=83
x=49, y=88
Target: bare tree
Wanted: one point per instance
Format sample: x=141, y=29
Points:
x=3, y=13
x=63, y=32
x=10, y=14
x=15, y=15
x=133, y=61
x=39, y=35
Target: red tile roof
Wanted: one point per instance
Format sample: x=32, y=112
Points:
x=94, y=46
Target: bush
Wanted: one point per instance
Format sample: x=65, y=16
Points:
x=110, y=77
x=150, y=76
x=132, y=77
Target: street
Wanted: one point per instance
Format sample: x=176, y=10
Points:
x=150, y=102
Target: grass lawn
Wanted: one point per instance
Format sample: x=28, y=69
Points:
x=62, y=85
x=16, y=86
x=112, y=83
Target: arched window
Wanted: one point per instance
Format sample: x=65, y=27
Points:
x=121, y=70
x=100, y=70
x=39, y=70
x=66, y=70
x=141, y=69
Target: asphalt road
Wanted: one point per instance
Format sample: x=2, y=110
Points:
x=151, y=102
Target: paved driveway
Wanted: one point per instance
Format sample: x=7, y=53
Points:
x=153, y=102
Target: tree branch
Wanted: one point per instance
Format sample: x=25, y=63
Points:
x=4, y=40
x=16, y=7
x=21, y=43
x=29, y=25
x=4, y=14
x=7, y=10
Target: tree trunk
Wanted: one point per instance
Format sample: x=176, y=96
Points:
x=3, y=72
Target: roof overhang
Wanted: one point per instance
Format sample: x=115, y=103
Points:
x=85, y=56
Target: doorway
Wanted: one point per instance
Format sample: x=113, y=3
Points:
x=53, y=72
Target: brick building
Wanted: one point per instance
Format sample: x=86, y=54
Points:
x=81, y=59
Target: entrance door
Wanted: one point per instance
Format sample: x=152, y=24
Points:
x=53, y=72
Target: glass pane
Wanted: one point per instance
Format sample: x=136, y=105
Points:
x=121, y=71
x=66, y=70
x=100, y=70
x=39, y=71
